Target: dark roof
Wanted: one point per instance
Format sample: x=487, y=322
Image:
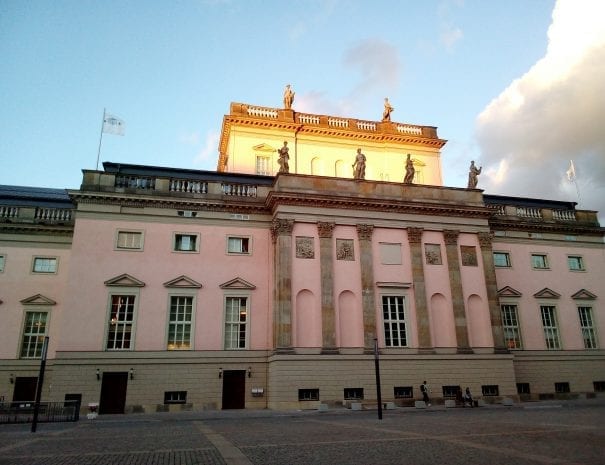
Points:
x=34, y=196
x=525, y=202
x=181, y=173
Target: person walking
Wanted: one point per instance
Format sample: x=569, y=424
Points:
x=424, y=388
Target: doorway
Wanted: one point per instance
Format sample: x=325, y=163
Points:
x=234, y=389
x=25, y=389
x=113, y=392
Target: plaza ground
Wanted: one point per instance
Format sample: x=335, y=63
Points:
x=569, y=432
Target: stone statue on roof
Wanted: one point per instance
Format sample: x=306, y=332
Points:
x=386, y=114
x=288, y=97
x=409, y=170
x=359, y=167
x=284, y=157
x=473, y=175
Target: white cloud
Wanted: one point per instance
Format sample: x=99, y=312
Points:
x=378, y=64
x=208, y=154
x=552, y=114
x=449, y=33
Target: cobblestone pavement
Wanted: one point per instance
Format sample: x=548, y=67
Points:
x=526, y=434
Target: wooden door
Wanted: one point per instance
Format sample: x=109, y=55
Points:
x=113, y=392
x=234, y=389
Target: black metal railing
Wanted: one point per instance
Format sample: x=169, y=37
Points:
x=23, y=412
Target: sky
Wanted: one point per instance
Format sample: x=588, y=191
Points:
x=516, y=85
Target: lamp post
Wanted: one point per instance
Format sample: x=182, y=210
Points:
x=40, y=382
x=377, y=370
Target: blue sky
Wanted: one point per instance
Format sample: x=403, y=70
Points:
x=171, y=69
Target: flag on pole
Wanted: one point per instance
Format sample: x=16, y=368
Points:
x=113, y=125
x=571, y=172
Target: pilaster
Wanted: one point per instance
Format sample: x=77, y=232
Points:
x=281, y=234
x=328, y=314
x=368, y=299
x=422, y=314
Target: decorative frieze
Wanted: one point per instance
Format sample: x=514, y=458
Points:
x=469, y=255
x=432, y=254
x=281, y=227
x=451, y=236
x=364, y=232
x=305, y=247
x=325, y=229
x=345, y=250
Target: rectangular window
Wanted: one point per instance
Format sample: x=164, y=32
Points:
x=510, y=326
x=353, y=393
x=238, y=245
x=186, y=242
x=586, y=324
x=393, y=313
x=131, y=240
x=236, y=319
x=502, y=259
x=2, y=263
x=45, y=265
x=263, y=165
x=539, y=262
x=179, y=325
x=121, y=320
x=575, y=263
x=599, y=386
x=390, y=254
x=523, y=388
x=450, y=392
x=34, y=331
x=403, y=392
x=551, y=331
x=490, y=390
x=175, y=397
x=561, y=388
x=308, y=394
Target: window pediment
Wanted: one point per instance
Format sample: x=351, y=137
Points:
x=38, y=299
x=547, y=293
x=183, y=282
x=237, y=283
x=508, y=291
x=124, y=280
x=264, y=148
x=583, y=294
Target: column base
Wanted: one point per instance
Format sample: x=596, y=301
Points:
x=426, y=351
x=464, y=350
x=330, y=351
x=283, y=351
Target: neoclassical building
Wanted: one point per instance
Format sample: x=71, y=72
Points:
x=259, y=286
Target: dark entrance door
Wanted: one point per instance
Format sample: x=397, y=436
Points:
x=25, y=389
x=234, y=389
x=113, y=392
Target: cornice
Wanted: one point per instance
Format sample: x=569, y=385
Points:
x=275, y=199
x=544, y=227
x=25, y=228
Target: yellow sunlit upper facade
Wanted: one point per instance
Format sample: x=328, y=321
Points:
x=326, y=145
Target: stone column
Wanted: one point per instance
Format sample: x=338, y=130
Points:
x=281, y=234
x=422, y=314
x=328, y=314
x=485, y=242
x=368, y=301
x=453, y=265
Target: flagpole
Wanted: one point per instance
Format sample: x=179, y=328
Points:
x=100, y=140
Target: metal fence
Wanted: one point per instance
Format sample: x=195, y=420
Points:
x=23, y=412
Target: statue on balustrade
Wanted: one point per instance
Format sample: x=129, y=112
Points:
x=284, y=156
x=288, y=97
x=386, y=113
x=359, y=167
x=473, y=175
x=409, y=170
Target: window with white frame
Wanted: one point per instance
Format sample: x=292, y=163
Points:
x=502, y=259
x=393, y=314
x=179, y=323
x=175, y=397
x=510, y=326
x=586, y=324
x=238, y=245
x=186, y=242
x=539, y=261
x=34, y=331
x=45, y=265
x=575, y=263
x=551, y=330
x=129, y=240
x=121, y=322
x=236, y=322
x=263, y=165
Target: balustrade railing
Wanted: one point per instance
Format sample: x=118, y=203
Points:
x=241, y=190
x=263, y=112
x=338, y=123
x=564, y=215
x=135, y=182
x=529, y=212
x=185, y=185
x=498, y=209
x=8, y=212
x=407, y=129
x=366, y=125
x=308, y=119
x=53, y=214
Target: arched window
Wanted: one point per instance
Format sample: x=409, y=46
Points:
x=317, y=166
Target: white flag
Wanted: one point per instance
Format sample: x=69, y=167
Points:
x=113, y=125
x=571, y=171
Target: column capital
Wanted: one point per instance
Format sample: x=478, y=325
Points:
x=281, y=227
x=364, y=231
x=415, y=235
x=325, y=229
x=485, y=240
x=451, y=236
